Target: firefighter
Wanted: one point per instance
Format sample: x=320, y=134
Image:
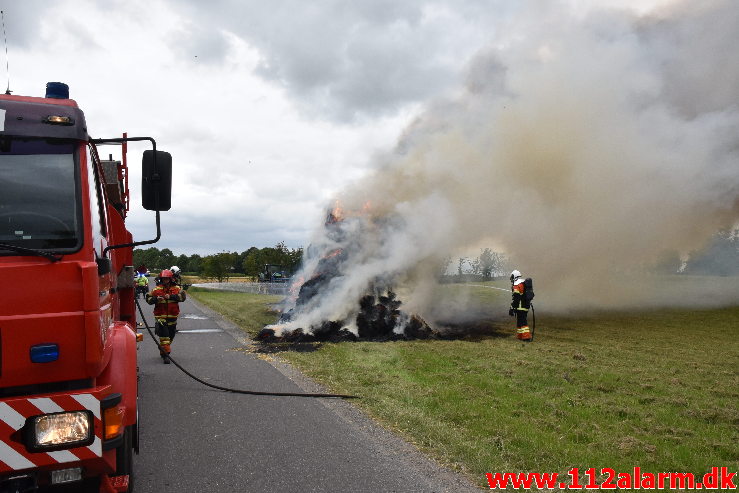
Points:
x=166, y=298
x=142, y=284
x=520, y=307
x=177, y=275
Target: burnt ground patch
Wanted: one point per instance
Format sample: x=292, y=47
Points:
x=334, y=332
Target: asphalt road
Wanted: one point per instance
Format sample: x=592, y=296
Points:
x=196, y=439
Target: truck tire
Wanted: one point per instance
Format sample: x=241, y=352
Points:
x=124, y=457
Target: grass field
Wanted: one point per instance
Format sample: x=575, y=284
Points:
x=657, y=389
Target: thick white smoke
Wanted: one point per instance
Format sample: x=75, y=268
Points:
x=585, y=145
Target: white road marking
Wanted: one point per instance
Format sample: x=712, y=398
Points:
x=199, y=331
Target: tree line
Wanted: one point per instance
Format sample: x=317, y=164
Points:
x=488, y=265
x=220, y=266
x=720, y=258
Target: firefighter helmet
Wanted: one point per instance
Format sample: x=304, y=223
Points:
x=175, y=270
x=515, y=275
x=166, y=273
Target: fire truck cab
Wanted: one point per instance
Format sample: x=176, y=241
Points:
x=68, y=372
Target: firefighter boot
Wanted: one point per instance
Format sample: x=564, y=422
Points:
x=524, y=333
x=167, y=350
x=164, y=348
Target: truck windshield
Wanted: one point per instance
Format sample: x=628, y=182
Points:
x=39, y=207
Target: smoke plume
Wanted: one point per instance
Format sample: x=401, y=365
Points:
x=584, y=146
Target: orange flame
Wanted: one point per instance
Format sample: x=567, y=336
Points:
x=294, y=289
x=334, y=253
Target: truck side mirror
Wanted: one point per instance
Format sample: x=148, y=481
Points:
x=156, y=181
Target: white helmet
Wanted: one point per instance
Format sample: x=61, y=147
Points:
x=175, y=270
x=515, y=275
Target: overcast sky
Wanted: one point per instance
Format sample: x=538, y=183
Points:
x=268, y=108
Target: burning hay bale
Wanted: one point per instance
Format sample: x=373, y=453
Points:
x=379, y=319
x=343, y=291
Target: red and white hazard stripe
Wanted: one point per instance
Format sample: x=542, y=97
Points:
x=13, y=415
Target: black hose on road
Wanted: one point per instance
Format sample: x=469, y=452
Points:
x=227, y=389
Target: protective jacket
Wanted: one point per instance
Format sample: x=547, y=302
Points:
x=170, y=308
x=519, y=300
x=520, y=307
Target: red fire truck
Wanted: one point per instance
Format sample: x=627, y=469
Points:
x=68, y=373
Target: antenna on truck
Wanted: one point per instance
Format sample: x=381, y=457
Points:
x=7, y=62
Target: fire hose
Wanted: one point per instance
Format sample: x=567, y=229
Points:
x=227, y=389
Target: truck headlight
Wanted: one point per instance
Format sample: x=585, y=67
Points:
x=61, y=430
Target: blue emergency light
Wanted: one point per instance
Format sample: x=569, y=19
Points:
x=57, y=90
x=44, y=353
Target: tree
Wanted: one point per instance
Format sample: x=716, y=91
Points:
x=219, y=266
x=195, y=264
x=487, y=263
x=240, y=261
x=166, y=259
x=295, y=257
x=255, y=259
x=154, y=259
x=183, y=262
x=460, y=265
x=148, y=257
x=252, y=263
x=498, y=263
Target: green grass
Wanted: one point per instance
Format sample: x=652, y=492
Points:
x=249, y=311
x=657, y=389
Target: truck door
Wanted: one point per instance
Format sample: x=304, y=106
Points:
x=99, y=238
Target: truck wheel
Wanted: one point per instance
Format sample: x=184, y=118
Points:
x=124, y=457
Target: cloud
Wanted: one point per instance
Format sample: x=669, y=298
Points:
x=199, y=45
x=354, y=60
x=22, y=22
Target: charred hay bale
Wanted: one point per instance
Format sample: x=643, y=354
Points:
x=297, y=335
x=310, y=288
x=417, y=328
x=378, y=317
x=327, y=330
x=267, y=335
x=363, y=325
x=390, y=302
x=371, y=322
x=343, y=335
x=382, y=323
x=366, y=303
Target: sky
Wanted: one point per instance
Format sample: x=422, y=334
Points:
x=269, y=109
